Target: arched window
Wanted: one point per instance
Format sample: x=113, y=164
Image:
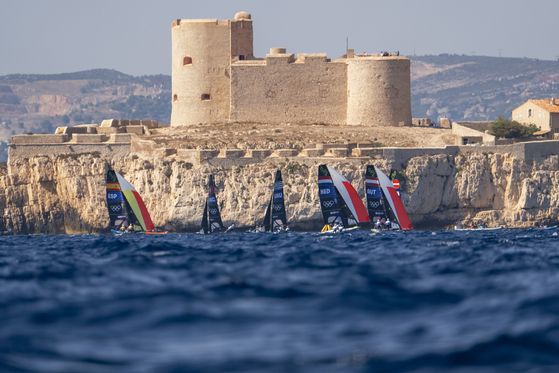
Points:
x=530, y=113
x=187, y=61
x=205, y=97
x=175, y=98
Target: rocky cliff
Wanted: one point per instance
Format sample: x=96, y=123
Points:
x=66, y=194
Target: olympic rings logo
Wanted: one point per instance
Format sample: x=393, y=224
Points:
x=116, y=208
x=328, y=204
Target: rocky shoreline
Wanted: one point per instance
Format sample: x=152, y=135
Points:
x=66, y=193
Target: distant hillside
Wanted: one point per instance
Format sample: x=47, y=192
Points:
x=459, y=87
x=40, y=103
x=476, y=87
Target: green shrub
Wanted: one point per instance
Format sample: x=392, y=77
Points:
x=509, y=129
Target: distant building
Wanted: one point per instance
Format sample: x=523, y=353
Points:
x=543, y=113
x=216, y=78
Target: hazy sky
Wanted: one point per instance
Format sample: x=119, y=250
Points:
x=134, y=36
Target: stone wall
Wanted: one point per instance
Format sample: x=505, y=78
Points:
x=308, y=89
x=472, y=135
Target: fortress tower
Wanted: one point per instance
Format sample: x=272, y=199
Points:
x=203, y=51
x=217, y=78
x=378, y=91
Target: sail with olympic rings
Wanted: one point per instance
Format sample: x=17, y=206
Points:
x=339, y=201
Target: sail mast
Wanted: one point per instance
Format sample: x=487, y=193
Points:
x=268, y=216
x=204, y=224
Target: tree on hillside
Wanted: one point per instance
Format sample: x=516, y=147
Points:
x=512, y=129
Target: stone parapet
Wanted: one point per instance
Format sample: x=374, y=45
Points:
x=231, y=153
x=366, y=152
x=67, y=149
x=312, y=152
x=336, y=152
x=39, y=139
x=150, y=123
x=286, y=152
x=137, y=129
x=120, y=137
x=258, y=153
x=421, y=122
x=328, y=146
x=196, y=156
x=110, y=123
x=88, y=138
x=110, y=130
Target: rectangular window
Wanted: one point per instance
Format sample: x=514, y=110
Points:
x=540, y=114
x=556, y=130
x=520, y=115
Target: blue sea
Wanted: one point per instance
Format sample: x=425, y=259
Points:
x=421, y=301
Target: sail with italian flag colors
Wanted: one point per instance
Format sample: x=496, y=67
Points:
x=357, y=213
x=393, y=199
x=125, y=204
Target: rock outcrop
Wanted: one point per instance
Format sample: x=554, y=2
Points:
x=66, y=193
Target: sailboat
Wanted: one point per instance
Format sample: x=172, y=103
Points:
x=339, y=201
x=126, y=207
x=275, y=219
x=211, y=218
x=383, y=200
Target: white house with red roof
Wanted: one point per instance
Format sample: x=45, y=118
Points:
x=543, y=113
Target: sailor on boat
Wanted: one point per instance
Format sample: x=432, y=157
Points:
x=387, y=223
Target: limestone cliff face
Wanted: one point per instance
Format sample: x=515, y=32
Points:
x=66, y=194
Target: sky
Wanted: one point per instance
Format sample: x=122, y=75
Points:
x=134, y=36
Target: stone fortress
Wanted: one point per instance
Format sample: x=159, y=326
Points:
x=55, y=183
x=217, y=78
